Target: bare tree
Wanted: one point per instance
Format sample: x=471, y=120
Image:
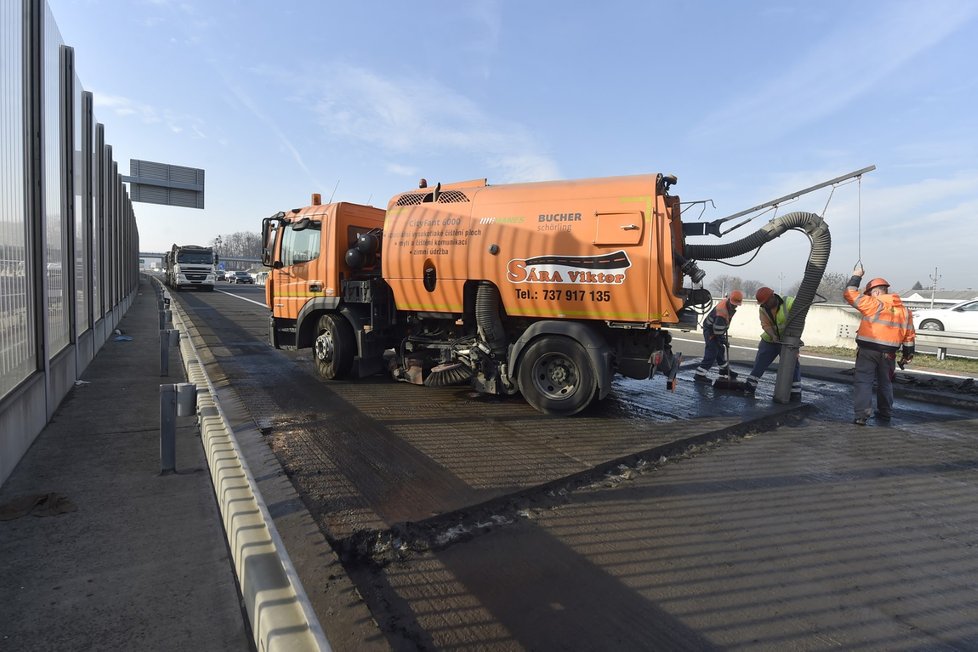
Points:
x=241, y=244
x=750, y=287
x=722, y=285
x=830, y=288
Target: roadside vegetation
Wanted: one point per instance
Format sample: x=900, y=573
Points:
x=921, y=361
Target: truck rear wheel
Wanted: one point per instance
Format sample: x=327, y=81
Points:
x=555, y=376
x=334, y=347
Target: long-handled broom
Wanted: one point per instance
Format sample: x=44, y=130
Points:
x=730, y=382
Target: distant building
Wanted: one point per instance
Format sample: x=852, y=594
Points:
x=942, y=298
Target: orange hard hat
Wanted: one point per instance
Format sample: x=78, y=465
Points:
x=763, y=294
x=736, y=297
x=875, y=283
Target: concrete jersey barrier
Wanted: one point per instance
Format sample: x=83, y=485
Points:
x=281, y=615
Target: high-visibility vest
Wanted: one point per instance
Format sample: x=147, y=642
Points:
x=776, y=320
x=718, y=320
x=885, y=320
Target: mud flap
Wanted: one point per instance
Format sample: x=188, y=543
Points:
x=666, y=363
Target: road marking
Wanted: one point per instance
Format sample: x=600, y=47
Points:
x=238, y=296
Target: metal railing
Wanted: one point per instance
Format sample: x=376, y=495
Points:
x=945, y=340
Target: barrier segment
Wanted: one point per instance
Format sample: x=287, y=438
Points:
x=282, y=618
x=168, y=337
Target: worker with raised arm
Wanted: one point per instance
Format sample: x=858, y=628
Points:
x=886, y=327
x=773, y=312
x=716, y=347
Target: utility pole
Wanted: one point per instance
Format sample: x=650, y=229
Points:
x=933, y=286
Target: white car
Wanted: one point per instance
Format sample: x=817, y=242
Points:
x=960, y=318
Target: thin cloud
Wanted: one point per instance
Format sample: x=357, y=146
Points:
x=484, y=42
x=410, y=115
x=245, y=100
x=905, y=230
x=127, y=108
x=937, y=154
x=839, y=69
x=402, y=170
x=194, y=28
x=927, y=205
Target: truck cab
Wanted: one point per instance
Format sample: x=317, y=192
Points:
x=310, y=275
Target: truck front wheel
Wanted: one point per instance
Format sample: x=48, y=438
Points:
x=334, y=347
x=555, y=376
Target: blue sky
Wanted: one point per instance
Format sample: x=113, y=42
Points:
x=744, y=101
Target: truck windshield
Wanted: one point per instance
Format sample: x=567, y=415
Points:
x=300, y=246
x=195, y=258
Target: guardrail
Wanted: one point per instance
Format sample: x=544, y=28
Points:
x=944, y=340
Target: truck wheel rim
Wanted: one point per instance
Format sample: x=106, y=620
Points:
x=324, y=347
x=555, y=376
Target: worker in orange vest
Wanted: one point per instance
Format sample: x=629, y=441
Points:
x=715, y=336
x=885, y=328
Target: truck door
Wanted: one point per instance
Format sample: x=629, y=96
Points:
x=625, y=230
x=299, y=255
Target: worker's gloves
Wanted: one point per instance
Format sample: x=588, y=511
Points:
x=858, y=271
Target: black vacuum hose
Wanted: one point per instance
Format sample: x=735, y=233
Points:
x=817, y=231
x=488, y=319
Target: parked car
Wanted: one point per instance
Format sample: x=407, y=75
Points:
x=242, y=277
x=961, y=318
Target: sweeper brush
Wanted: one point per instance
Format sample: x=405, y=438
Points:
x=454, y=373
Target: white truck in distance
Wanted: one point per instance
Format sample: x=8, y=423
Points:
x=190, y=266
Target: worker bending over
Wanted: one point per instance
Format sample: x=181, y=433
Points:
x=773, y=312
x=716, y=348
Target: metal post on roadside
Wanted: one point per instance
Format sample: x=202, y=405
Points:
x=168, y=429
x=166, y=316
x=176, y=400
x=186, y=399
x=168, y=337
x=163, y=305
